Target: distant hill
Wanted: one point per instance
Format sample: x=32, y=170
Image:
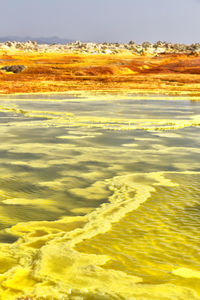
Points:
x=39, y=40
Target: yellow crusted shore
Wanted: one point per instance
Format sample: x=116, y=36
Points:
x=165, y=74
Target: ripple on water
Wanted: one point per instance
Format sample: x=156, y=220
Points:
x=59, y=168
x=148, y=242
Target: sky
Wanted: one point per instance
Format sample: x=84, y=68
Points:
x=103, y=20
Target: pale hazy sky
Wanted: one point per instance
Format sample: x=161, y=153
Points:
x=103, y=20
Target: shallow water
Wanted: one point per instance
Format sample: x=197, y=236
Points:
x=99, y=199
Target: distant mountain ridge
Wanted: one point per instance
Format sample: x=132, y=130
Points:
x=39, y=40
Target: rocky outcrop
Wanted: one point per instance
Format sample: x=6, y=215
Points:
x=145, y=48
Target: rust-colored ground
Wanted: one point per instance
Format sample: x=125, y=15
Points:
x=58, y=72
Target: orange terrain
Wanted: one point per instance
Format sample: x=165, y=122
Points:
x=168, y=74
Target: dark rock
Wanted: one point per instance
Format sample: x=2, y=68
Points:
x=146, y=44
x=8, y=43
x=14, y=68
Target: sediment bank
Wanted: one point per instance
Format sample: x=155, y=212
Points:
x=150, y=69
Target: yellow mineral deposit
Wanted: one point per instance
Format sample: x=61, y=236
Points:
x=187, y=273
x=169, y=74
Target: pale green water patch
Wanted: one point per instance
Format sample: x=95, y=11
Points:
x=158, y=238
x=80, y=173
